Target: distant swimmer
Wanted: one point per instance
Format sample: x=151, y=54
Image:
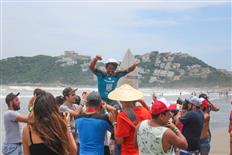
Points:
x=107, y=80
x=227, y=93
x=13, y=139
x=154, y=98
x=194, y=93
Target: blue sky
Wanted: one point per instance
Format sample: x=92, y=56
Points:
x=199, y=28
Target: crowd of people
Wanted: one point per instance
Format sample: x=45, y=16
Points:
x=110, y=121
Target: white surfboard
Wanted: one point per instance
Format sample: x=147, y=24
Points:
x=131, y=78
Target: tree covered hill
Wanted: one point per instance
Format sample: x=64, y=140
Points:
x=155, y=69
x=43, y=69
x=178, y=69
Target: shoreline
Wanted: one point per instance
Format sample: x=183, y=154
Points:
x=95, y=85
x=220, y=141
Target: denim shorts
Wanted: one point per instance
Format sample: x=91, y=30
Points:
x=117, y=149
x=204, y=145
x=12, y=149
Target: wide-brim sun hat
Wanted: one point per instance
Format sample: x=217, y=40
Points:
x=125, y=93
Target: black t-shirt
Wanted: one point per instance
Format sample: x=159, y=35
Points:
x=192, y=126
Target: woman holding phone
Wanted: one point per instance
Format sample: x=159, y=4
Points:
x=48, y=132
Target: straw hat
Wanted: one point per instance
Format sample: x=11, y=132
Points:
x=125, y=93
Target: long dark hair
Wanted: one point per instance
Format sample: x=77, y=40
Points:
x=49, y=125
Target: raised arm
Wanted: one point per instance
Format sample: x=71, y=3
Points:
x=108, y=107
x=92, y=64
x=71, y=141
x=22, y=118
x=132, y=67
x=213, y=106
x=175, y=137
x=143, y=103
x=75, y=113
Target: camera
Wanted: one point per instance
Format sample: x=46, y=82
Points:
x=77, y=100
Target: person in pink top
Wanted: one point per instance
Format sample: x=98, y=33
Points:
x=230, y=130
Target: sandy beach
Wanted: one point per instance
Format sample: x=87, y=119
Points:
x=220, y=142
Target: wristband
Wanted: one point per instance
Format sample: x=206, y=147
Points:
x=175, y=130
x=30, y=109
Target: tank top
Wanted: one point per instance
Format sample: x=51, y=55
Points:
x=39, y=149
x=150, y=140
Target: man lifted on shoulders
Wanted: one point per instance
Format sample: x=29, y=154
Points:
x=107, y=80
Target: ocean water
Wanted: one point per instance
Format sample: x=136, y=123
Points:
x=218, y=119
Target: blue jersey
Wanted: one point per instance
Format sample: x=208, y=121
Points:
x=92, y=129
x=107, y=83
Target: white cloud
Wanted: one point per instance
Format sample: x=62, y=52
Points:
x=107, y=28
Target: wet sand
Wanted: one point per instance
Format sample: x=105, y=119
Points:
x=220, y=142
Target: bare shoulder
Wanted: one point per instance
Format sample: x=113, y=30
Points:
x=169, y=133
x=167, y=139
x=25, y=134
x=168, y=136
x=25, y=128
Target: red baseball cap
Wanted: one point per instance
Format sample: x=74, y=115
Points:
x=159, y=106
x=173, y=106
x=204, y=103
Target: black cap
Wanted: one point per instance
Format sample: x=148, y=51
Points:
x=11, y=96
x=68, y=90
x=179, y=101
x=202, y=95
x=93, y=98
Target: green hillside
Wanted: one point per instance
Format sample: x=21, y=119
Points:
x=42, y=69
x=155, y=69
